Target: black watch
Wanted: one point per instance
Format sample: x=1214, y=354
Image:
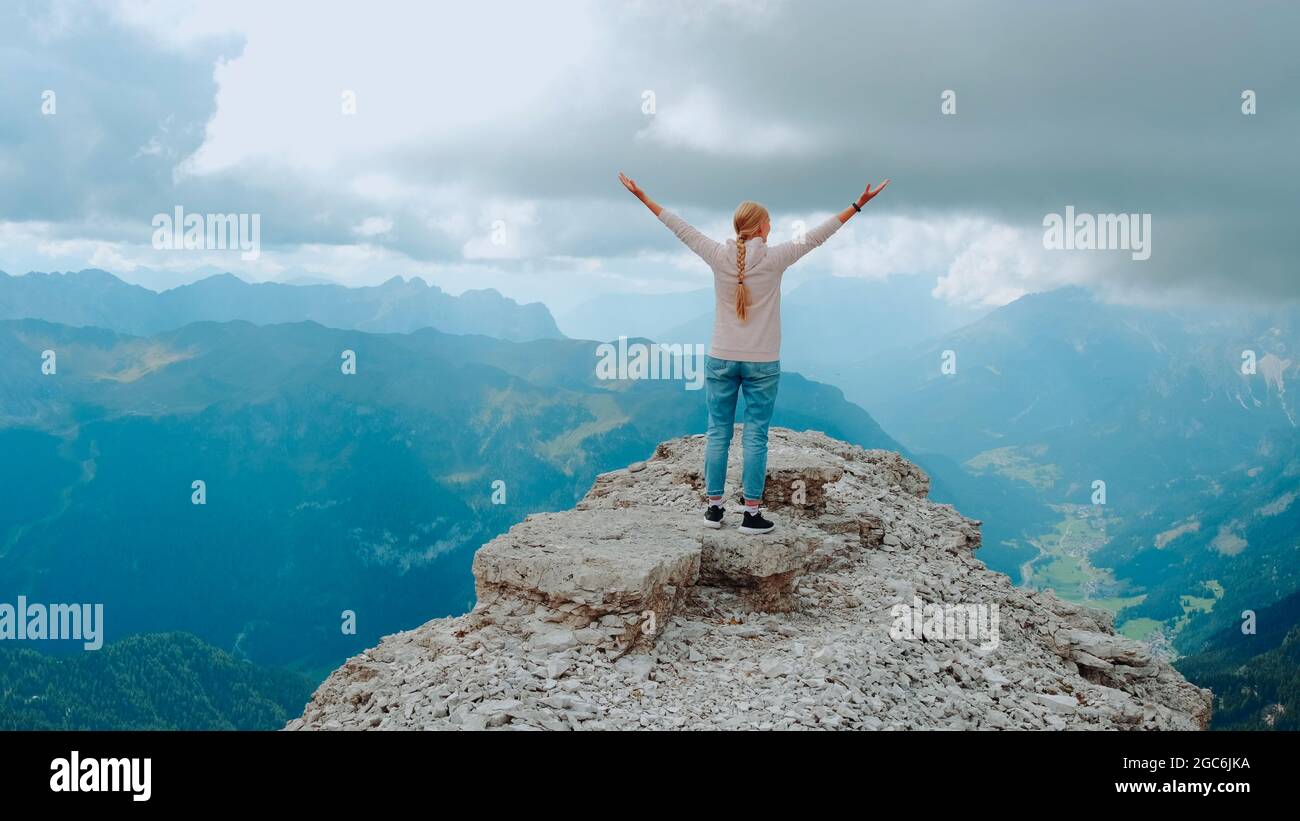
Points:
x=856, y=207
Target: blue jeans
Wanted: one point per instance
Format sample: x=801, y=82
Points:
x=725, y=379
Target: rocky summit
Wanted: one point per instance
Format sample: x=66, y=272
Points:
x=865, y=609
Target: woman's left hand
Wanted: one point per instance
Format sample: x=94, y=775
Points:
x=868, y=195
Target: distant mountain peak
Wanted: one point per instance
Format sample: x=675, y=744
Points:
x=96, y=275
x=1066, y=293
x=485, y=292
x=219, y=279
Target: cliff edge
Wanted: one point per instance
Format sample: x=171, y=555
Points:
x=866, y=609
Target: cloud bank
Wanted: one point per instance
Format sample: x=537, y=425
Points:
x=483, y=141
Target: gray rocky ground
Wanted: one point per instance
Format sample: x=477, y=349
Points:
x=626, y=612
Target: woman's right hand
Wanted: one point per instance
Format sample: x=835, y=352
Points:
x=630, y=184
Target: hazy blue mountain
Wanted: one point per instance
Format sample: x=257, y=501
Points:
x=325, y=492
x=1044, y=362
x=162, y=280
x=90, y=297
x=94, y=297
x=1058, y=390
x=609, y=316
x=829, y=324
x=169, y=681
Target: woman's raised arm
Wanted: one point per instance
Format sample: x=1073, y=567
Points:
x=630, y=184
x=788, y=253
x=707, y=249
x=866, y=197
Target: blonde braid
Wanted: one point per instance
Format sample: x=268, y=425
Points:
x=749, y=222
x=742, y=296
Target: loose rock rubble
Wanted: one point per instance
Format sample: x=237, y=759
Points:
x=626, y=613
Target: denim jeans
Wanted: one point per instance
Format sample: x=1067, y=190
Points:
x=725, y=379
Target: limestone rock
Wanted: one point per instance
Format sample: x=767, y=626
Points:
x=626, y=613
x=590, y=563
x=764, y=568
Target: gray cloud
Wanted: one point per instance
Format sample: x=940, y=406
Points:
x=1106, y=106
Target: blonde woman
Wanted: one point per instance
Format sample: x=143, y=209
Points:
x=745, y=353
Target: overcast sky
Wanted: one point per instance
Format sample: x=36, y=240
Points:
x=470, y=113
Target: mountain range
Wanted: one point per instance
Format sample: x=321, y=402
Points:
x=97, y=298
x=324, y=491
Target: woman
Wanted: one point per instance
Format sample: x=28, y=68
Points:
x=745, y=353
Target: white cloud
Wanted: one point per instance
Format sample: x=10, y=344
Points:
x=702, y=121
x=584, y=264
x=996, y=266
x=978, y=261
x=373, y=227
x=419, y=72
x=505, y=231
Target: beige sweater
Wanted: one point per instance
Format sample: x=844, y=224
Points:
x=758, y=338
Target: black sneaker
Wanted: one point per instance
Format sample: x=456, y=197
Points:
x=713, y=516
x=755, y=523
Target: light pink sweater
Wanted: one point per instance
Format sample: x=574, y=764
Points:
x=758, y=338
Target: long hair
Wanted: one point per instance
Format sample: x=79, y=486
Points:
x=749, y=218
